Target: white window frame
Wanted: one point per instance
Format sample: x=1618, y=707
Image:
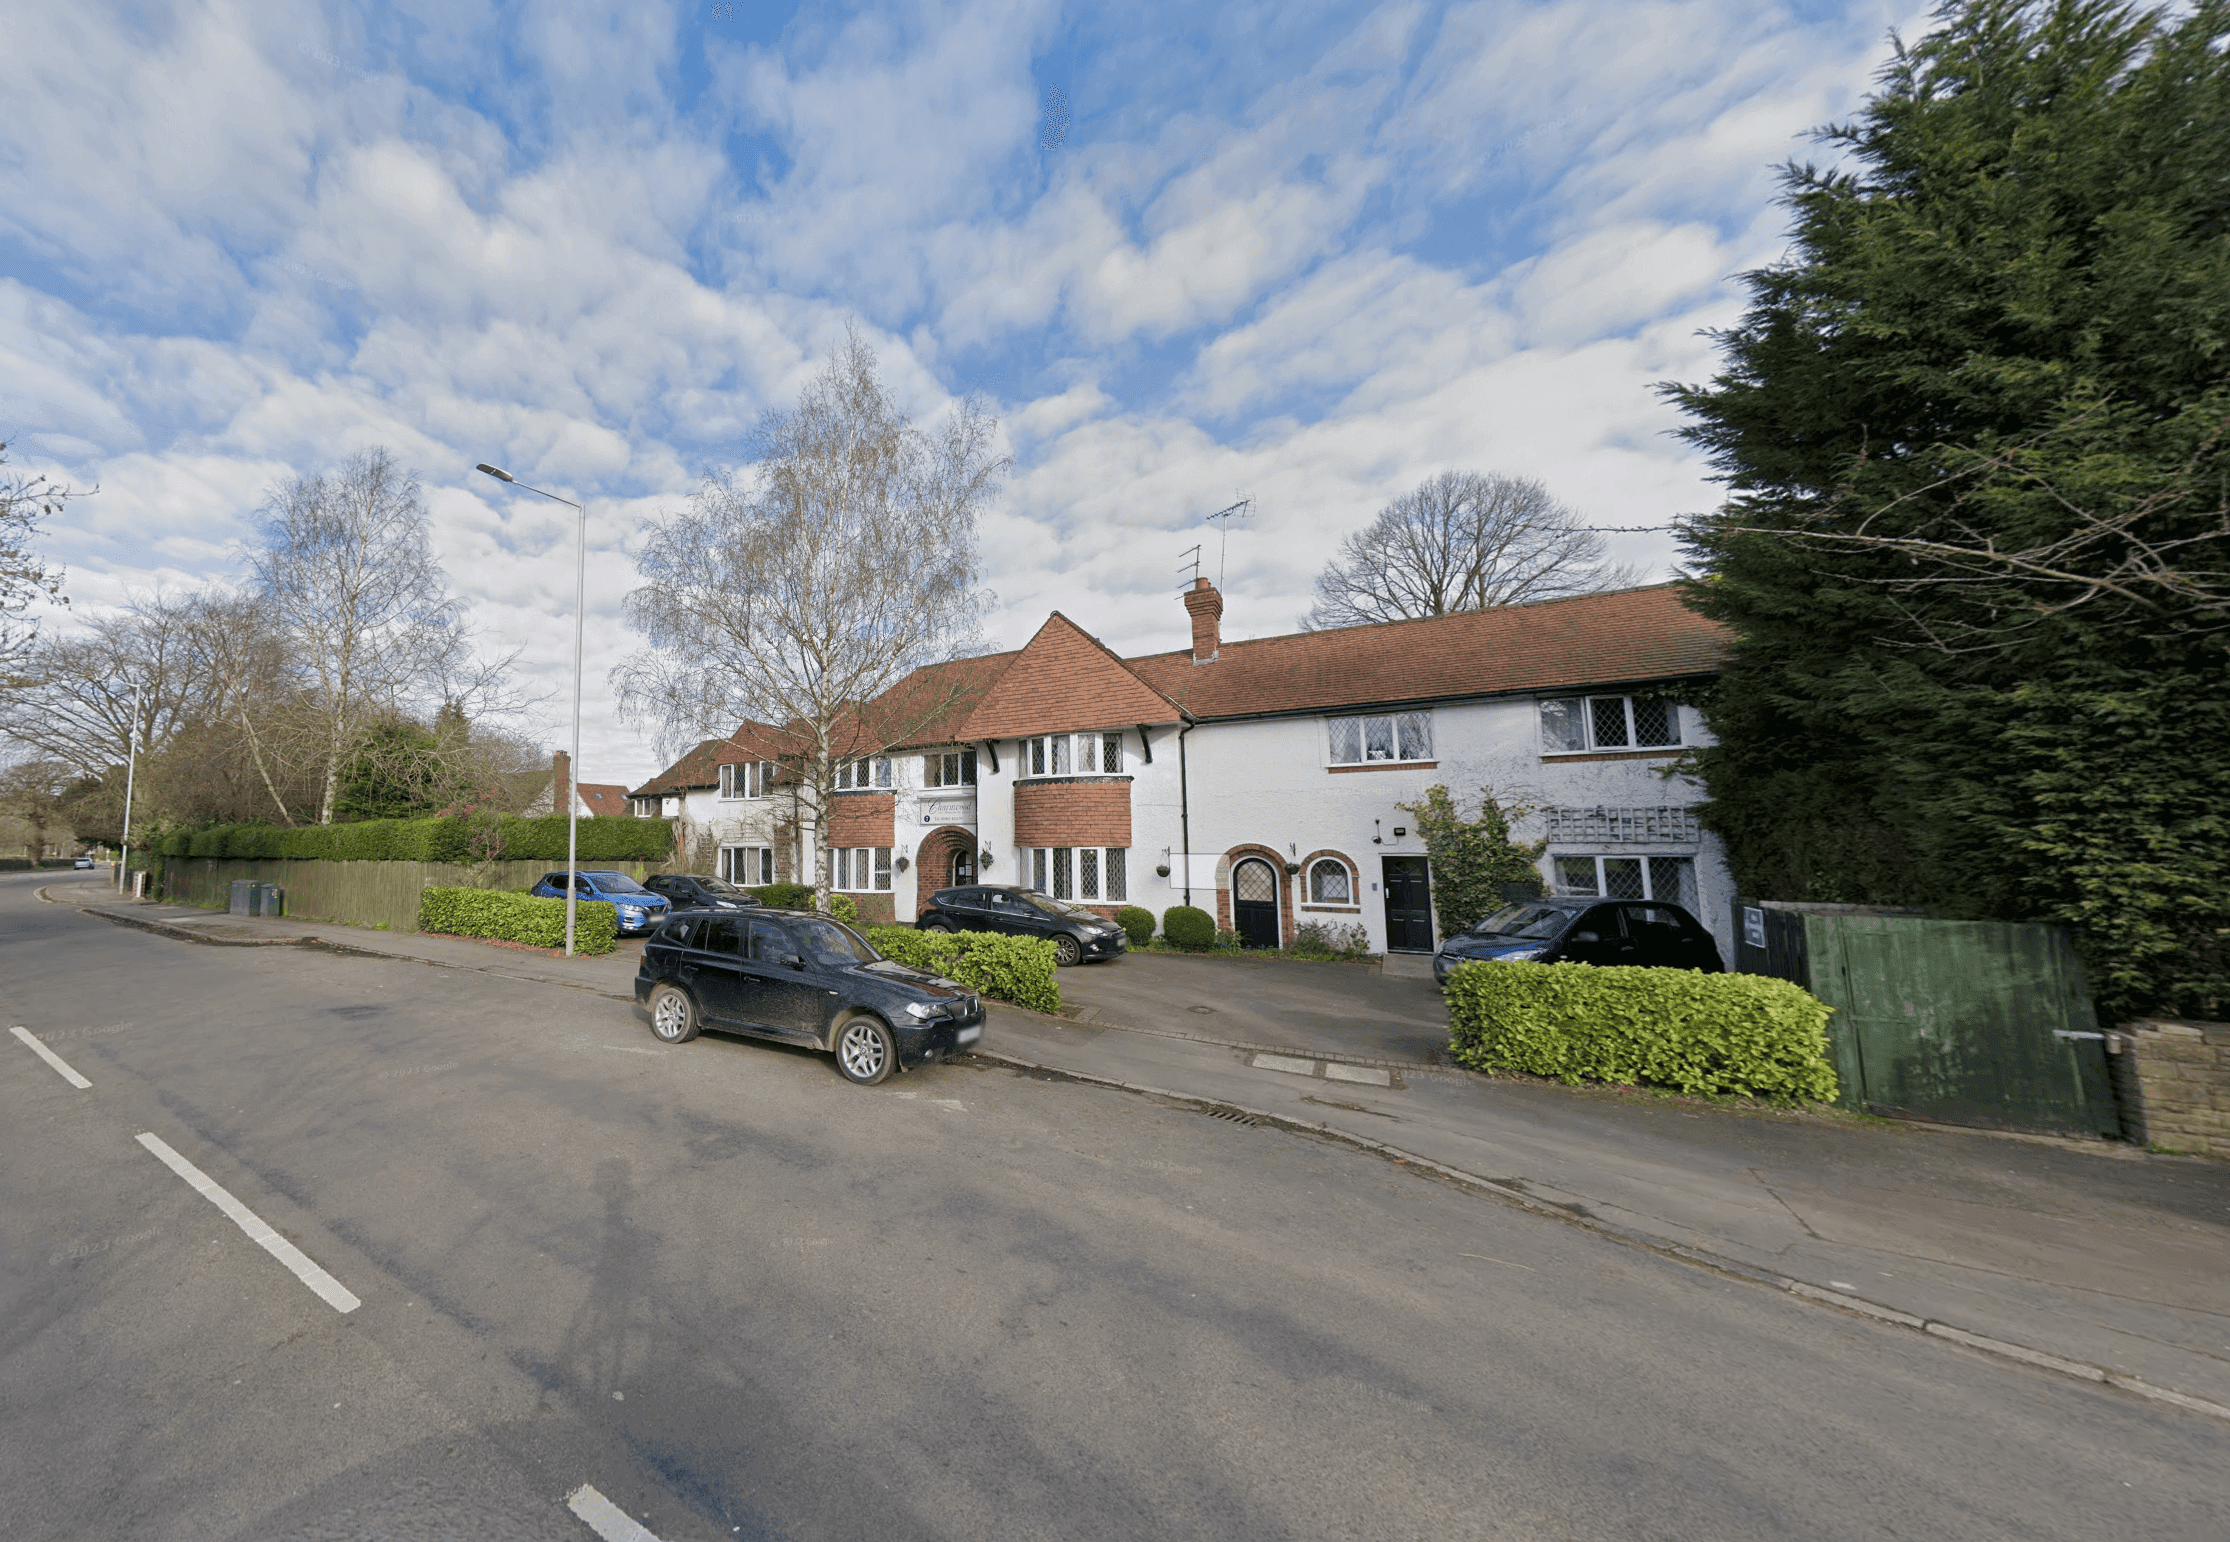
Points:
x=1353, y=900
x=1559, y=884
x=960, y=764
x=1335, y=734
x=862, y=869
x=1044, y=867
x=1673, y=711
x=746, y=779
x=1098, y=753
x=872, y=771
x=748, y=867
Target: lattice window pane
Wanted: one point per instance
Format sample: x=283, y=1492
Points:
x=1037, y=757
x=1111, y=754
x=882, y=867
x=1254, y=882
x=1378, y=738
x=1576, y=875
x=1674, y=879
x=1088, y=873
x=1622, y=877
x=1118, y=860
x=1037, y=870
x=766, y=864
x=1328, y=884
x=1347, y=740
x=1087, y=753
x=882, y=771
x=1562, y=726
x=1061, y=873
x=1415, y=730
x=1609, y=721
x=1059, y=761
x=1655, y=722
x=967, y=768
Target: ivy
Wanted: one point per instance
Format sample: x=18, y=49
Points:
x=1471, y=858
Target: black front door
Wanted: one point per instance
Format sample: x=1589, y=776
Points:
x=1408, y=906
x=1254, y=903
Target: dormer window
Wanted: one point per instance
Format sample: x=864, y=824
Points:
x=1097, y=754
x=748, y=779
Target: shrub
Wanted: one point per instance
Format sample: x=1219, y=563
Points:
x=1668, y=1027
x=1321, y=939
x=1188, y=927
x=1227, y=939
x=1137, y=923
x=444, y=838
x=786, y=896
x=502, y=916
x=844, y=908
x=1016, y=969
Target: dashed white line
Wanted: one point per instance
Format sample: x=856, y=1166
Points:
x=336, y=1295
x=51, y=1058
x=608, y=1520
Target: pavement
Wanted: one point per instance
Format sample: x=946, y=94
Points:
x=2090, y=1259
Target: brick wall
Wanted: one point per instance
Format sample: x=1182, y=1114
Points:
x=933, y=865
x=2172, y=1080
x=863, y=819
x=1073, y=813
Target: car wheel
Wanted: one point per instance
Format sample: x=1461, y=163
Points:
x=937, y=926
x=1067, y=950
x=865, y=1051
x=673, y=1016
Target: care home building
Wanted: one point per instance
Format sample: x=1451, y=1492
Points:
x=1260, y=780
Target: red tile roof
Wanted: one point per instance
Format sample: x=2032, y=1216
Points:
x=1629, y=636
x=695, y=769
x=603, y=797
x=1065, y=679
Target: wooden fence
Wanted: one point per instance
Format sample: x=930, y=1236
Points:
x=382, y=894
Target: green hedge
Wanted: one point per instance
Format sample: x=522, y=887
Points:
x=786, y=896
x=1739, y=1033
x=1137, y=923
x=1016, y=969
x=1185, y=926
x=503, y=916
x=607, y=838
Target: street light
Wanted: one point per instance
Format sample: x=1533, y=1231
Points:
x=131, y=772
x=573, y=767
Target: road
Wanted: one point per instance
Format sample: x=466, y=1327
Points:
x=743, y=1298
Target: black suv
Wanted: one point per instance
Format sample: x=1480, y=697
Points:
x=686, y=889
x=801, y=978
x=1584, y=930
x=1078, y=935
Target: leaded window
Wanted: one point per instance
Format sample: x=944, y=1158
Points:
x=1090, y=873
x=1385, y=737
x=874, y=771
x=1093, y=754
x=1329, y=883
x=1572, y=724
x=747, y=779
x=1641, y=878
x=952, y=768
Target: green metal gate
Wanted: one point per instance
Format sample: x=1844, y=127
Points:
x=1966, y=1022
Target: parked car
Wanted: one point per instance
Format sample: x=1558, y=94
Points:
x=82, y=862
x=801, y=978
x=639, y=909
x=1078, y=935
x=1585, y=930
x=687, y=889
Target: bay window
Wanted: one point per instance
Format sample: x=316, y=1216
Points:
x=1099, y=873
x=862, y=869
x=874, y=771
x=1094, y=754
x=749, y=866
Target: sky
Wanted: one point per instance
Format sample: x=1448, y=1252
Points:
x=1188, y=254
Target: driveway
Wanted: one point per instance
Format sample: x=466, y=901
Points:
x=1282, y=1003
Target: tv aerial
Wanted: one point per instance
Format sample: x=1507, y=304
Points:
x=1221, y=519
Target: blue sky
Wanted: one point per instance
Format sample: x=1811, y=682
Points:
x=1307, y=255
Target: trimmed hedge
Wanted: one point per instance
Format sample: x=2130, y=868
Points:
x=1137, y=923
x=447, y=838
x=1739, y=1033
x=786, y=896
x=1187, y=926
x=1016, y=969
x=503, y=916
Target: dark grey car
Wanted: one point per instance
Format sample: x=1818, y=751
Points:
x=687, y=889
x=1584, y=930
x=1078, y=935
x=800, y=978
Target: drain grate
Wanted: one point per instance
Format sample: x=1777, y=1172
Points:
x=1233, y=1116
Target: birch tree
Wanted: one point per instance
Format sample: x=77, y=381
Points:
x=804, y=589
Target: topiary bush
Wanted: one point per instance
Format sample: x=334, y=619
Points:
x=1016, y=969
x=1188, y=927
x=502, y=916
x=786, y=896
x=1738, y=1033
x=1137, y=924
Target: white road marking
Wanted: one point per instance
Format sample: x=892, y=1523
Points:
x=52, y=1059
x=337, y=1295
x=1285, y=1063
x=608, y=1520
x=1369, y=1075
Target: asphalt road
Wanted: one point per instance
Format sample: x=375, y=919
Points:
x=743, y=1298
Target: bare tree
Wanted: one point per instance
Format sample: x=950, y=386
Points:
x=348, y=574
x=803, y=593
x=24, y=577
x=1462, y=540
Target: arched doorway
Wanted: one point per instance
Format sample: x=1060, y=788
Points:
x=1254, y=903
x=963, y=865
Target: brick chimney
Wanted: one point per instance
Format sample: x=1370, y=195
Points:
x=1205, y=607
x=561, y=782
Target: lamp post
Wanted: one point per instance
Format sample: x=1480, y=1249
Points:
x=573, y=766
x=131, y=773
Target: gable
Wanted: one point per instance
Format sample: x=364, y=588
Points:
x=1065, y=680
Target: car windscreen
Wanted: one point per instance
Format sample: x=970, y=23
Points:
x=716, y=886
x=1536, y=922
x=827, y=942
x=1054, y=907
x=615, y=883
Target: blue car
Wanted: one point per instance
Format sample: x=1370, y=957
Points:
x=639, y=909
